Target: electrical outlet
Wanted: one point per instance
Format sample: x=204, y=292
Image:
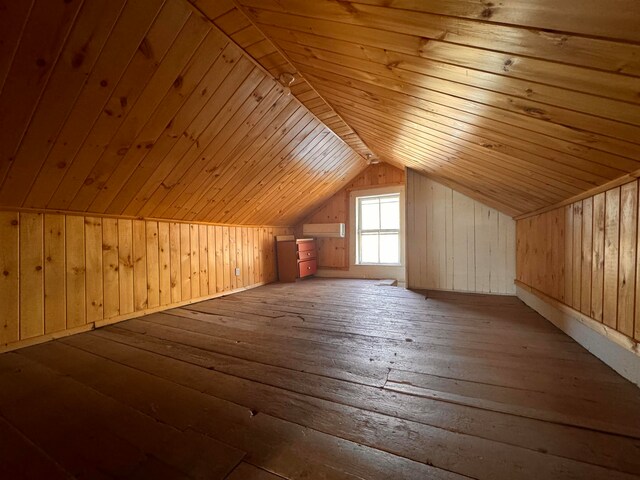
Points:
x=237, y=272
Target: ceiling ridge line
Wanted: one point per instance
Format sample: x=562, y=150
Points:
x=241, y=9
x=261, y=67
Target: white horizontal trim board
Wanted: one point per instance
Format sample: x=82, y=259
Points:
x=616, y=350
x=456, y=243
x=367, y=272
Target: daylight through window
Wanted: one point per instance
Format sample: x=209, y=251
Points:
x=378, y=229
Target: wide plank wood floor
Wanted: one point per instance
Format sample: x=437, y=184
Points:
x=322, y=379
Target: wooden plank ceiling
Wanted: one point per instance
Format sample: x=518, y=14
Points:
x=519, y=103
x=146, y=108
x=242, y=31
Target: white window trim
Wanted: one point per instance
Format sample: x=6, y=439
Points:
x=379, y=231
x=372, y=192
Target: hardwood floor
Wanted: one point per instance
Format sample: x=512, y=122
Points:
x=322, y=379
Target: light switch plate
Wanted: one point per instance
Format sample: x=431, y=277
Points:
x=237, y=272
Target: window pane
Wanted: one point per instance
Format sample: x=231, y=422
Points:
x=369, y=248
x=390, y=214
x=389, y=248
x=370, y=215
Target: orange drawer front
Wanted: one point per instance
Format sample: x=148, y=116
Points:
x=306, y=255
x=307, y=268
x=304, y=246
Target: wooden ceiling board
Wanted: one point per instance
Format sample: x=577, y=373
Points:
x=147, y=108
x=232, y=21
x=330, y=149
x=20, y=93
x=544, y=43
x=280, y=191
x=593, y=145
x=522, y=103
x=525, y=186
x=235, y=148
x=145, y=83
x=485, y=144
x=206, y=70
x=301, y=141
x=449, y=79
x=264, y=142
x=360, y=40
x=281, y=141
x=301, y=138
x=98, y=96
x=511, y=170
x=618, y=21
x=201, y=103
x=202, y=154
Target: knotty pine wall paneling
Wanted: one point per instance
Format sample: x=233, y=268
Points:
x=599, y=235
x=455, y=242
x=61, y=274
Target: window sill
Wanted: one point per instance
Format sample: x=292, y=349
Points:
x=377, y=265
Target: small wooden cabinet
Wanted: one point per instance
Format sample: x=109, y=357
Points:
x=296, y=258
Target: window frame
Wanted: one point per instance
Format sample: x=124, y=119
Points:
x=376, y=270
x=379, y=231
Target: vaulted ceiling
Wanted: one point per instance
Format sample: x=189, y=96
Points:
x=519, y=103
x=146, y=108
x=171, y=109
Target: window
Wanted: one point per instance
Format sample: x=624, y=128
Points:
x=378, y=229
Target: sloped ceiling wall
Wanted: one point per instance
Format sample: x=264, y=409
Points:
x=234, y=23
x=145, y=108
x=149, y=108
x=519, y=104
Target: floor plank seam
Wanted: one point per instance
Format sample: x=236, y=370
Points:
x=417, y=395
x=253, y=412
x=366, y=389
x=263, y=363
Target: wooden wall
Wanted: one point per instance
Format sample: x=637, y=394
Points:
x=65, y=273
x=455, y=242
x=334, y=252
x=584, y=255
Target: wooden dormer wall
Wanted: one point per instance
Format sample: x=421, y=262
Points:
x=582, y=258
x=64, y=274
x=456, y=243
x=144, y=155
x=333, y=253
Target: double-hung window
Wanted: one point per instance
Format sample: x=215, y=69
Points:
x=378, y=229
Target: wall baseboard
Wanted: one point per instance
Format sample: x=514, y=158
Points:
x=616, y=350
x=121, y=318
x=365, y=272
